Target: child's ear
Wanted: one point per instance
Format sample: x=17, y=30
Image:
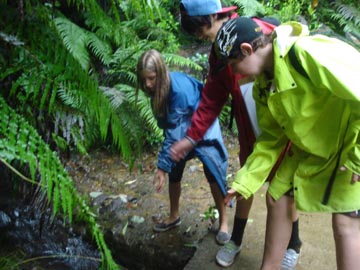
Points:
x=246, y=49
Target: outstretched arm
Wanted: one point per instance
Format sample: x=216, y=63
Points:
x=213, y=97
x=159, y=180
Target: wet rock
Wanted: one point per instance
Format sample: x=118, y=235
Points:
x=5, y=220
x=127, y=219
x=98, y=200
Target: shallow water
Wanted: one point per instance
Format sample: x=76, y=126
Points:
x=35, y=243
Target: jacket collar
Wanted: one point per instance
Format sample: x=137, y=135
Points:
x=286, y=35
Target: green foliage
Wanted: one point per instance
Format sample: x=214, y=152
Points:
x=288, y=10
x=19, y=141
x=67, y=76
x=10, y=261
x=348, y=17
x=78, y=42
x=345, y=21
x=203, y=62
x=211, y=214
x=248, y=7
x=67, y=80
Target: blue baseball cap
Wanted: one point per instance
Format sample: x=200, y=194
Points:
x=204, y=7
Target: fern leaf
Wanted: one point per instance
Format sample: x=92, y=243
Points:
x=75, y=40
x=250, y=7
x=15, y=133
x=101, y=49
x=115, y=96
x=45, y=94
x=180, y=61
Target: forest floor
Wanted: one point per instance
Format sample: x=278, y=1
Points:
x=109, y=174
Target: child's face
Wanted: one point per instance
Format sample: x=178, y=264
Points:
x=246, y=65
x=209, y=33
x=149, y=81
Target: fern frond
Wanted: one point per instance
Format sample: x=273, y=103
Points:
x=349, y=18
x=115, y=96
x=141, y=104
x=75, y=40
x=100, y=49
x=72, y=98
x=17, y=138
x=174, y=60
x=249, y=7
x=346, y=13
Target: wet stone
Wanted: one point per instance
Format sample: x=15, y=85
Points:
x=128, y=226
x=5, y=220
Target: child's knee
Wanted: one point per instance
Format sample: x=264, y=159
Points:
x=270, y=201
x=345, y=226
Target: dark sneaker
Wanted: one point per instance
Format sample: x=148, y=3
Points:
x=227, y=254
x=163, y=227
x=290, y=259
x=222, y=238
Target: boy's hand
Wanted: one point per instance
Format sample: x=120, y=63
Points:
x=159, y=180
x=355, y=177
x=180, y=149
x=231, y=193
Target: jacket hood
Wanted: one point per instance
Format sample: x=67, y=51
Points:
x=287, y=34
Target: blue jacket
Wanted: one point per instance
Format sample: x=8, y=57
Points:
x=184, y=97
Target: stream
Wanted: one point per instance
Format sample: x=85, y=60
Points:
x=33, y=240
x=126, y=206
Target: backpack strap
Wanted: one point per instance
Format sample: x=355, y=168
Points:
x=294, y=60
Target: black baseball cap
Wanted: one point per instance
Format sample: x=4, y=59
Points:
x=233, y=33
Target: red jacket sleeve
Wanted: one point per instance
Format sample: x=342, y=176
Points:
x=213, y=97
x=220, y=83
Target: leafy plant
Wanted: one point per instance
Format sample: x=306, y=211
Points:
x=19, y=141
x=57, y=88
x=212, y=214
x=248, y=7
x=348, y=16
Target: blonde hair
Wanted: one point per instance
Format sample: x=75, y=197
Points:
x=152, y=61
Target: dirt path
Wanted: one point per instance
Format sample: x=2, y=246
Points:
x=106, y=173
x=318, y=252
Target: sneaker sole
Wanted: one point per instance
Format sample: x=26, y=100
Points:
x=226, y=264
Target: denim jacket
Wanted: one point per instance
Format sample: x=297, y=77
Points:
x=184, y=97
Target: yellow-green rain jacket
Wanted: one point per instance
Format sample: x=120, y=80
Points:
x=320, y=115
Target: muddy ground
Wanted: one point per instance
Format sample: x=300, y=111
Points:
x=191, y=246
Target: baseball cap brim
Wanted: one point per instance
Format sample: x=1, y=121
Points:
x=227, y=9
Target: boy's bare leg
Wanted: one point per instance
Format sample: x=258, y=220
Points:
x=346, y=232
x=220, y=206
x=278, y=231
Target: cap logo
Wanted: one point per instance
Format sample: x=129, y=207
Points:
x=225, y=39
x=258, y=29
